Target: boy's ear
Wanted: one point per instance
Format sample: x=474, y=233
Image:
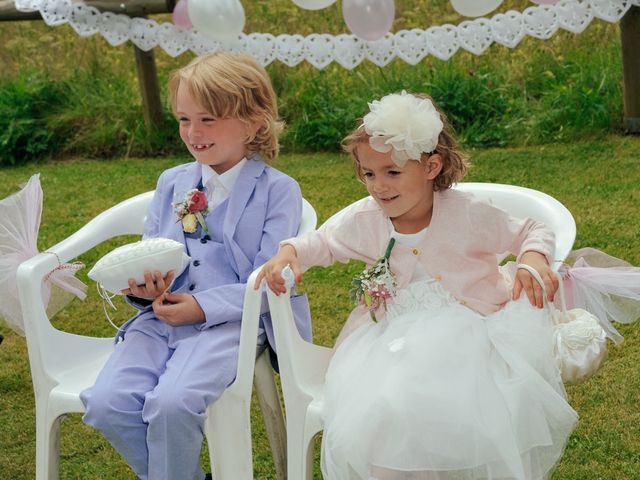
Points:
x=252, y=130
x=254, y=127
x=434, y=166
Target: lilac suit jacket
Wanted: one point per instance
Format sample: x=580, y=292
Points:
x=264, y=207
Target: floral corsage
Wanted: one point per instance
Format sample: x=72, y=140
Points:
x=375, y=285
x=192, y=210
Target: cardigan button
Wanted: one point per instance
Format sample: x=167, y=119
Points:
x=415, y=251
x=192, y=286
x=196, y=263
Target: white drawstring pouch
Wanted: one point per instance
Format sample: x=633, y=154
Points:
x=580, y=342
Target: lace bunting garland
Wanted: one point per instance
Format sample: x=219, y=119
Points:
x=412, y=46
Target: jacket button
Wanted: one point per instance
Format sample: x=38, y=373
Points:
x=196, y=263
x=192, y=286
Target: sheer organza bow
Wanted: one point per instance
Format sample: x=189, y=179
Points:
x=606, y=286
x=20, y=215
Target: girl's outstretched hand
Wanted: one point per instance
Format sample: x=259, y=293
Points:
x=525, y=281
x=272, y=270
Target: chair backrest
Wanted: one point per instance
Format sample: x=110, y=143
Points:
x=309, y=218
x=525, y=202
x=519, y=202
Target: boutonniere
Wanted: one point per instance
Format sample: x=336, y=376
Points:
x=375, y=285
x=191, y=211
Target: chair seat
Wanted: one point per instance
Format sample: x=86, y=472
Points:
x=74, y=381
x=84, y=376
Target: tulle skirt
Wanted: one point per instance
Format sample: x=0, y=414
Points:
x=438, y=391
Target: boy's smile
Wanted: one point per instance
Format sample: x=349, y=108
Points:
x=218, y=142
x=202, y=148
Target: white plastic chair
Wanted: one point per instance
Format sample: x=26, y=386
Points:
x=303, y=365
x=63, y=364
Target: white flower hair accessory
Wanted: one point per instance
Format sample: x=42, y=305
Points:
x=404, y=124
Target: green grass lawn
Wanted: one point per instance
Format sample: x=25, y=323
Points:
x=62, y=95
x=597, y=180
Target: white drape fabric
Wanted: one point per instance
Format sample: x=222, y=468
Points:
x=318, y=49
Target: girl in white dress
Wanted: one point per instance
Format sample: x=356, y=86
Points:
x=444, y=370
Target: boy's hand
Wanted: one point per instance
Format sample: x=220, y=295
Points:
x=154, y=285
x=272, y=270
x=525, y=281
x=181, y=309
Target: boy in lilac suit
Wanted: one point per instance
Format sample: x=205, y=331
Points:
x=230, y=209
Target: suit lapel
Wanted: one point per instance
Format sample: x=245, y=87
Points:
x=241, y=193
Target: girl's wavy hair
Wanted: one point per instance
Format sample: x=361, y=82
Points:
x=455, y=163
x=229, y=85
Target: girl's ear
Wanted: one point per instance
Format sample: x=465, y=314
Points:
x=434, y=166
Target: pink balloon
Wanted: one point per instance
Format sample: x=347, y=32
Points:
x=180, y=15
x=369, y=19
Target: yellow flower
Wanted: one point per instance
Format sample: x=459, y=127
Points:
x=367, y=299
x=189, y=223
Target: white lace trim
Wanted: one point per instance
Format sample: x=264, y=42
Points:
x=427, y=294
x=320, y=50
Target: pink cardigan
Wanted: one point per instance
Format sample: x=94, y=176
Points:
x=459, y=248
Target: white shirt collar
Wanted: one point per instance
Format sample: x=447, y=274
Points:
x=227, y=180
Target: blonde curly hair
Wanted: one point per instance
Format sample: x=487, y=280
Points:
x=455, y=163
x=229, y=85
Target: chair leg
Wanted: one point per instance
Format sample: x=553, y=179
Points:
x=309, y=459
x=47, y=445
x=228, y=431
x=300, y=447
x=271, y=408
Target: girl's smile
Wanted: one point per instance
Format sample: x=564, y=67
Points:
x=405, y=193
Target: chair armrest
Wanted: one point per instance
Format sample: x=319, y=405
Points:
x=303, y=364
x=243, y=384
x=126, y=217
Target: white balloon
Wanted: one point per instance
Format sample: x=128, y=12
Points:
x=475, y=8
x=313, y=4
x=217, y=19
